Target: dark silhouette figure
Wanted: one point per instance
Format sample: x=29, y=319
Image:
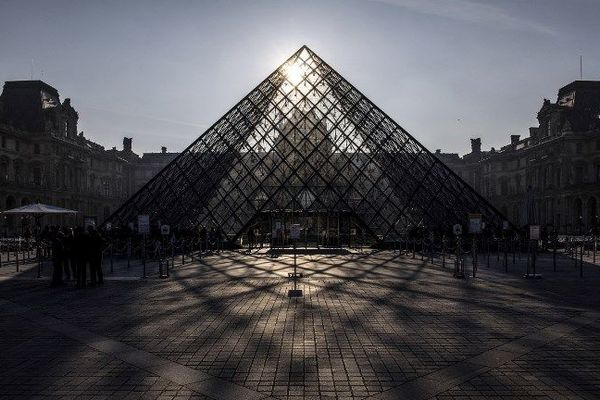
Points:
x=70, y=263
x=203, y=239
x=57, y=257
x=80, y=243
x=251, y=238
x=212, y=237
x=95, y=247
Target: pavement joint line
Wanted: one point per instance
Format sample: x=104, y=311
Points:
x=49, y=278
x=430, y=385
x=195, y=380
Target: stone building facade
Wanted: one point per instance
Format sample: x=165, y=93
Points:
x=44, y=158
x=559, y=161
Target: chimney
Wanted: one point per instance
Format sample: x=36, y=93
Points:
x=514, y=139
x=163, y=149
x=127, y=144
x=476, y=145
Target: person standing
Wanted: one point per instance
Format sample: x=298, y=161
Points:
x=96, y=246
x=57, y=257
x=70, y=263
x=79, y=256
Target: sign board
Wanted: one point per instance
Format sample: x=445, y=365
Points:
x=144, y=224
x=165, y=230
x=475, y=223
x=457, y=229
x=108, y=226
x=353, y=231
x=534, y=232
x=505, y=225
x=295, y=231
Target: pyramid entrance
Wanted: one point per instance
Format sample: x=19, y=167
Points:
x=306, y=147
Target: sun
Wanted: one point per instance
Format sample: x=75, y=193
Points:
x=295, y=73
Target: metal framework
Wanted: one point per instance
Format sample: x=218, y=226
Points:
x=306, y=141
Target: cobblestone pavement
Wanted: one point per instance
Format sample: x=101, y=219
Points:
x=375, y=325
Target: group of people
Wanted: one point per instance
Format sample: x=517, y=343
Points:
x=210, y=239
x=73, y=251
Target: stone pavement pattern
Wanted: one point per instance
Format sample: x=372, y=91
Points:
x=379, y=325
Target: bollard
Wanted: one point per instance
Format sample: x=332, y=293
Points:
x=128, y=253
x=580, y=262
x=459, y=265
x=39, y=262
x=172, y=255
x=595, y=248
x=111, y=259
x=488, y=253
x=498, y=248
x=554, y=256
x=444, y=251
x=17, y=255
x=144, y=258
x=505, y=257
x=413, y=248
x=167, y=265
x=182, y=253
x=431, y=252
x=513, y=250
x=474, y=251
x=160, y=264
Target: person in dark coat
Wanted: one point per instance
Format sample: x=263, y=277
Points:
x=57, y=239
x=70, y=263
x=79, y=256
x=96, y=246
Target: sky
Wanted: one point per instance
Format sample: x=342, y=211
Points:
x=162, y=72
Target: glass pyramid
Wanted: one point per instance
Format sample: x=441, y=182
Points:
x=303, y=146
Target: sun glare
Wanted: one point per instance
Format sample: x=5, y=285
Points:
x=294, y=74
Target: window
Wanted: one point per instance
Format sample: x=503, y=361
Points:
x=36, y=148
x=4, y=142
x=17, y=145
x=37, y=176
x=4, y=171
x=17, y=173
x=579, y=174
x=503, y=187
x=579, y=148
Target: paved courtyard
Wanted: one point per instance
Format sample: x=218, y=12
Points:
x=370, y=325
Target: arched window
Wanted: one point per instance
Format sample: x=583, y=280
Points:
x=37, y=176
x=592, y=212
x=577, y=212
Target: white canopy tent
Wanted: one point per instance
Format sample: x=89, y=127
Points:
x=38, y=210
